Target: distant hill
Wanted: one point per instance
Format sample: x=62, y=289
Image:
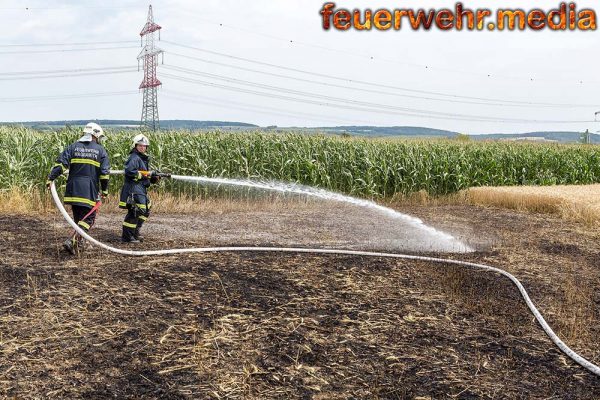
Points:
x=388, y=131
x=562, y=137
x=413, y=131
x=166, y=124
x=366, y=131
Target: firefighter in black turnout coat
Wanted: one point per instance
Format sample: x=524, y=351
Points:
x=134, y=195
x=89, y=169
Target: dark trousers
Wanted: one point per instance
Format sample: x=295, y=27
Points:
x=79, y=212
x=133, y=222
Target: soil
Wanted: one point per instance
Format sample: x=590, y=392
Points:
x=272, y=326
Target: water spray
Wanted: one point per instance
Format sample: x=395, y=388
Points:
x=292, y=188
x=328, y=195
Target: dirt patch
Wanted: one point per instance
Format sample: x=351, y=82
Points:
x=263, y=326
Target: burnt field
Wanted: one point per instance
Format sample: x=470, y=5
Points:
x=265, y=326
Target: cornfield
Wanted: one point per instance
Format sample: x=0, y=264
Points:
x=360, y=167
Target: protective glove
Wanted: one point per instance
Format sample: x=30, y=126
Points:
x=48, y=184
x=154, y=177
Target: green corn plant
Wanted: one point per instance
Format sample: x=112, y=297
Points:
x=355, y=166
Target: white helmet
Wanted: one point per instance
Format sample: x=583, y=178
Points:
x=141, y=139
x=95, y=130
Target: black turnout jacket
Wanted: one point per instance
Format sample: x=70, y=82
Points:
x=89, y=169
x=136, y=184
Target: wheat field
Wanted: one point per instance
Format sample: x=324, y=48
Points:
x=577, y=202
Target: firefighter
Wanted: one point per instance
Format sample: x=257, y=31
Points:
x=134, y=195
x=89, y=169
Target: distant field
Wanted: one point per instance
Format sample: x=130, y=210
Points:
x=361, y=167
x=572, y=202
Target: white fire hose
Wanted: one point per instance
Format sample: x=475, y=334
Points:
x=557, y=341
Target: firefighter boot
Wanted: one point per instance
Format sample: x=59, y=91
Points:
x=128, y=235
x=138, y=228
x=137, y=235
x=69, y=246
x=80, y=244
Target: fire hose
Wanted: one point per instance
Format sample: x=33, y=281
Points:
x=140, y=253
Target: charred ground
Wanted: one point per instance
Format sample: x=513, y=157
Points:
x=262, y=326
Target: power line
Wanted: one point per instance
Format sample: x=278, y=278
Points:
x=60, y=71
x=325, y=97
x=357, y=81
x=289, y=41
x=342, y=100
x=363, y=90
x=376, y=108
x=376, y=58
x=27, y=8
x=482, y=101
x=253, y=110
x=67, y=75
x=66, y=50
x=67, y=96
x=287, y=98
x=66, y=44
x=250, y=107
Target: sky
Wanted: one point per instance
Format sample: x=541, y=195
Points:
x=402, y=68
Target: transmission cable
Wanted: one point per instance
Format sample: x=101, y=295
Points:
x=59, y=71
x=67, y=50
x=67, y=96
x=403, y=110
x=71, y=75
x=363, y=90
x=188, y=97
x=362, y=82
x=65, y=44
x=377, y=58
